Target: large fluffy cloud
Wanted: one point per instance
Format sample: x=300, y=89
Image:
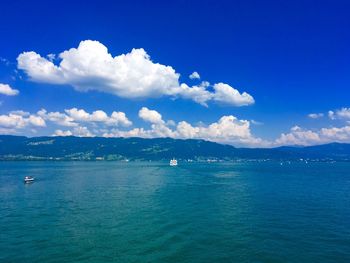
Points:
x=6, y=89
x=133, y=75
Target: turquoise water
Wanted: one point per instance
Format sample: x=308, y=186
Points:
x=196, y=212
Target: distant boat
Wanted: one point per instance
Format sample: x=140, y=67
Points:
x=173, y=162
x=28, y=179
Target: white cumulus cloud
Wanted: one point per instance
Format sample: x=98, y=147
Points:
x=151, y=116
x=194, y=75
x=332, y=134
x=72, y=117
x=300, y=136
x=331, y=115
x=20, y=120
x=343, y=113
x=58, y=118
x=80, y=131
x=116, y=118
x=62, y=133
x=340, y=114
x=226, y=94
x=133, y=75
x=227, y=130
x=7, y=90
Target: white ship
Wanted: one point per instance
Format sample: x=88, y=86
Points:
x=173, y=162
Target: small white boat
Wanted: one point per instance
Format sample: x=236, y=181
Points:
x=28, y=179
x=173, y=162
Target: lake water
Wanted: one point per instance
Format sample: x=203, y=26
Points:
x=196, y=212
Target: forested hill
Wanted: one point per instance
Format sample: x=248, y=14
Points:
x=92, y=148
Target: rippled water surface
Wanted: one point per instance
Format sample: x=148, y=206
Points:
x=196, y=212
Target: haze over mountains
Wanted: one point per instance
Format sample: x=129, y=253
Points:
x=99, y=148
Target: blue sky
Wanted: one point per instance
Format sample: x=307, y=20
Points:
x=292, y=58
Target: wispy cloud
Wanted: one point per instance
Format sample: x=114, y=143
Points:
x=315, y=115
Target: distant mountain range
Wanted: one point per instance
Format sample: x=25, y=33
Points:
x=99, y=148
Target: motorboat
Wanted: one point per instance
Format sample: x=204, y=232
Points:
x=173, y=162
x=28, y=179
